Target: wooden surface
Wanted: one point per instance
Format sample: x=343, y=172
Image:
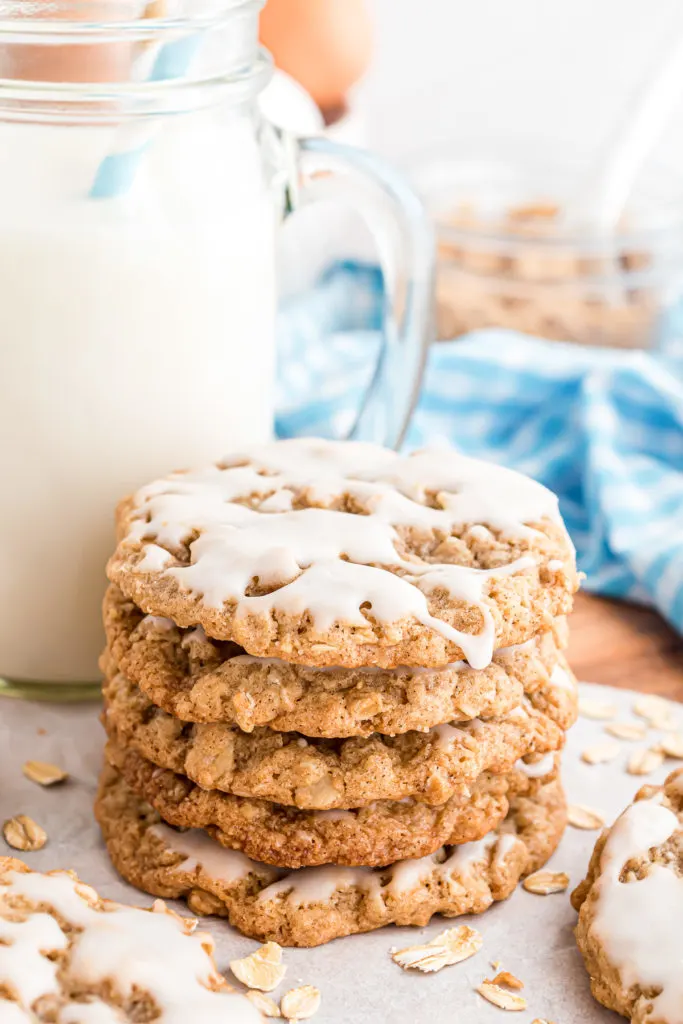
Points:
x=623, y=645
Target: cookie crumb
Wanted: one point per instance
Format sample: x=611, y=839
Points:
x=500, y=997
x=300, y=1003
x=506, y=979
x=43, y=773
x=23, y=833
x=262, y=969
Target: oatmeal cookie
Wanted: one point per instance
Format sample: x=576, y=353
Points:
x=381, y=833
x=324, y=774
x=70, y=956
x=198, y=679
x=337, y=553
x=314, y=905
x=631, y=907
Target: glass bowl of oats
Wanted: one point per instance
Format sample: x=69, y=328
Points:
x=515, y=250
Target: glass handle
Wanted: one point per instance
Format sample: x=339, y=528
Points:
x=325, y=170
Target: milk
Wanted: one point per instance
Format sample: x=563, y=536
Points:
x=136, y=337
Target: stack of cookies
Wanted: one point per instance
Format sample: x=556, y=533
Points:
x=335, y=689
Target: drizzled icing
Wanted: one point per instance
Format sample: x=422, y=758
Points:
x=200, y=851
x=12, y=1013
x=331, y=563
x=94, y=1012
x=161, y=624
x=638, y=922
x=319, y=884
x=130, y=949
x=539, y=768
x=561, y=679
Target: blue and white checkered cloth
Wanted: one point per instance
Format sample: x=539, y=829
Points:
x=602, y=428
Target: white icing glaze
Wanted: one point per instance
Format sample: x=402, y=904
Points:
x=539, y=768
x=562, y=680
x=128, y=947
x=463, y=858
x=156, y=558
x=201, y=851
x=22, y=968
x=12, y=1013
x=445, y=736
x=507, y=842
x=318, y=885
x=158, y=624
x=331, y=562
x=334, y=815
x=639, y=922
x=94, y=1012
x=409, y=874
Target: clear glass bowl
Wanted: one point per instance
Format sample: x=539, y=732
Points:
x=510, y=255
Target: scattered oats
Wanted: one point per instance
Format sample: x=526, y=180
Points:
x=545, y=883
x=427, y=958
x=41, y=731
x=581, y=816
x=542, y=1020
x=500, y=997
x=652, y=708
x=627, y=730
x=589, y=707
x=450, y=947
x=600, y=753
x=262, y=969
x=671, y=746
x=266, y=1006
x=666, y=722
x=643, y=762
x=496, y=964
x=507, y=979
x=22, y=833
x=43, y=773
x=300, y=1003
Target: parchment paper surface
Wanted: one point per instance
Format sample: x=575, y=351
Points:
x=531, y=935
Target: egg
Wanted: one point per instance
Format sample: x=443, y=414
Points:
x=325, y=45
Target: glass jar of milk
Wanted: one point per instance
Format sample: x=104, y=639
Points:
x=141, y=194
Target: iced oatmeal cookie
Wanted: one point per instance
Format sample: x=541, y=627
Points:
x=631, y=907
x=199, y=679
x=382, y=832
x=336, y=553
x=325, y=774
x=314, y=905
x=70, y=957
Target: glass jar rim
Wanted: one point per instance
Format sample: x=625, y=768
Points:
x=434, y=177
x=16, y=20
x=69, y=102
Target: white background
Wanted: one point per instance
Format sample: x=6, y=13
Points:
x=556, y=70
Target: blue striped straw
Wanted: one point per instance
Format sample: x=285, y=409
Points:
x=117, y=172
